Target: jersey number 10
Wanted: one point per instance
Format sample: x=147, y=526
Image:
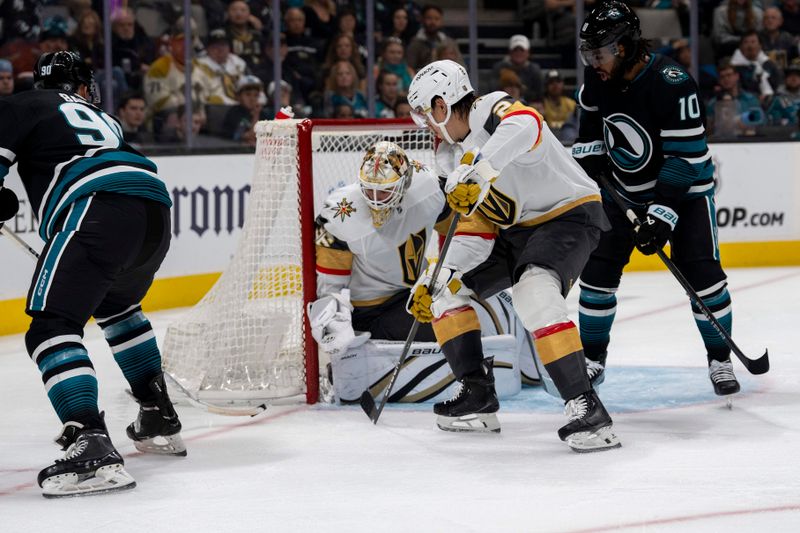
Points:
x=690, y=104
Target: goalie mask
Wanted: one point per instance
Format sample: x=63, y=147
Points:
x=445, y=79
x=384, y=176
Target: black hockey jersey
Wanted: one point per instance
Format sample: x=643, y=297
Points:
x=67, y=148
x=649, y=132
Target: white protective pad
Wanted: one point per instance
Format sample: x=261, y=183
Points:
x=369, y=366
x=538, y=300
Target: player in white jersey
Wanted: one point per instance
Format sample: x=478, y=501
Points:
x=371, y=242
x=531, y=218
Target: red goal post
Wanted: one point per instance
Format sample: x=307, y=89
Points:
x=248, y=340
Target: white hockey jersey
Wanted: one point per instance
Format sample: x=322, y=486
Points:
x=376, y=263
x=538, y=179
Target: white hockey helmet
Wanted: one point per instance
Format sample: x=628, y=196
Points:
x=384, y=176
x=444, y=78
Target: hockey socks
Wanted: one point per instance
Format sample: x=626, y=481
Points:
x=597, y=308
x=559, y=348
x=68, y=377
x=133, y=343
x=718, y=300
x=458, y=332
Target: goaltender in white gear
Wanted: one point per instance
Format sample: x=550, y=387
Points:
x=370, y=248
x=530, y=217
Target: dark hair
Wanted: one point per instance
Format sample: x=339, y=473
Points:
x=428, y=7
x=381, y=75
x=127, y=97
x=748, y=34
x=399, y=102
x=461, y=108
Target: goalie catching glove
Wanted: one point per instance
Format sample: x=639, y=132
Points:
x=430, y=299
x=331, y=323
x=469, y=183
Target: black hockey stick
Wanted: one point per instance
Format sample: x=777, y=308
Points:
x=754, y=366
x=367, y=401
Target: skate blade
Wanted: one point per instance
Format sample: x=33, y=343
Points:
x=162, y=445
x=473, y=423
x=593, y=441
x=109, y=478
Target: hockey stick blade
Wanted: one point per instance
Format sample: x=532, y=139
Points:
x=216, y=409
x=367, y=401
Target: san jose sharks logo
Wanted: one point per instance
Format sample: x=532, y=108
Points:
x=343, y=209
x=629, y=145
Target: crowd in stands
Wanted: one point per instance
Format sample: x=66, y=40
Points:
x=749, y=75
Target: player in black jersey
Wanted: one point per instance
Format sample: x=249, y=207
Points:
x=105, y=219
x=642, y=126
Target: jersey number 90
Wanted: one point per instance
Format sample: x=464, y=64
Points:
x=95, y=128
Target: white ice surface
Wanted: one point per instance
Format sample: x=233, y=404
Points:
x=694, y=466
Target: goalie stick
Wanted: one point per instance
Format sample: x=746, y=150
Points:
x=195, y=402
x=367, y=401
x=754, y=366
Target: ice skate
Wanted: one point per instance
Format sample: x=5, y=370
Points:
x=590, y=427
x=474, y=406
x=722, y=377
x=157, y=428
x=91, y=465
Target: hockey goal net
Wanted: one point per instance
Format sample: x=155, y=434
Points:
x=248, y=339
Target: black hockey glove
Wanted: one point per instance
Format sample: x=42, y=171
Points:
x=655, y=229
x=9, y=204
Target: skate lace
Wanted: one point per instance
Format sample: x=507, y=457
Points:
x=593, y=369
x=721, y=371
x=75, y=449
x=459, y=392
x=576, y=408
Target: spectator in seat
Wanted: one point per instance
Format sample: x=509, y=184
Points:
x=392, y=60
x=53, y=37
x=510, y=83
x=6, y=78
x=88, y=39
x=728, y=110
x=244, y=38
x=300, y=43
x=164, y=82
x=388, y=93
x=341, y=88
x=779, y=45
x=224, y=67
x=347, y=24
x=241, y=119
x=343, y=111
x=556, y=108
x=321, y=19
x=131, y=49
x=402, y=109
x=758, y=74
x=784, y=106
x=287, y=100
x=400, y=27
x=131, y=113
x=420, y=50
x=344, y=48
x=448, y=51
x=518, y=60
x=731, y=21
x=790, y=9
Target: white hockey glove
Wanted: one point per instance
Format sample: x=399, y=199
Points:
x=469, y=183
x=428, y=299
x=284, y=113
x=331, y=323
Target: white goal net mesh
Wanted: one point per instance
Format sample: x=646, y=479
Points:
x=244, y=341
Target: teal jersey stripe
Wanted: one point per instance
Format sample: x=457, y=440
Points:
x=86, y=164
x=3, y=172
x=63, y=357
x=692, y=147
x=132, y=183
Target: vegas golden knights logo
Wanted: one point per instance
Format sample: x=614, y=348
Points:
x=498, y=208
x=411, y=254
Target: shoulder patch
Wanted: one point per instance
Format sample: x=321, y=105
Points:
x=343, y=209
x=674, y=75
x=160, y=67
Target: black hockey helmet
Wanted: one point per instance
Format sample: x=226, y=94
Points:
x=64, y=70
x=610, y=23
